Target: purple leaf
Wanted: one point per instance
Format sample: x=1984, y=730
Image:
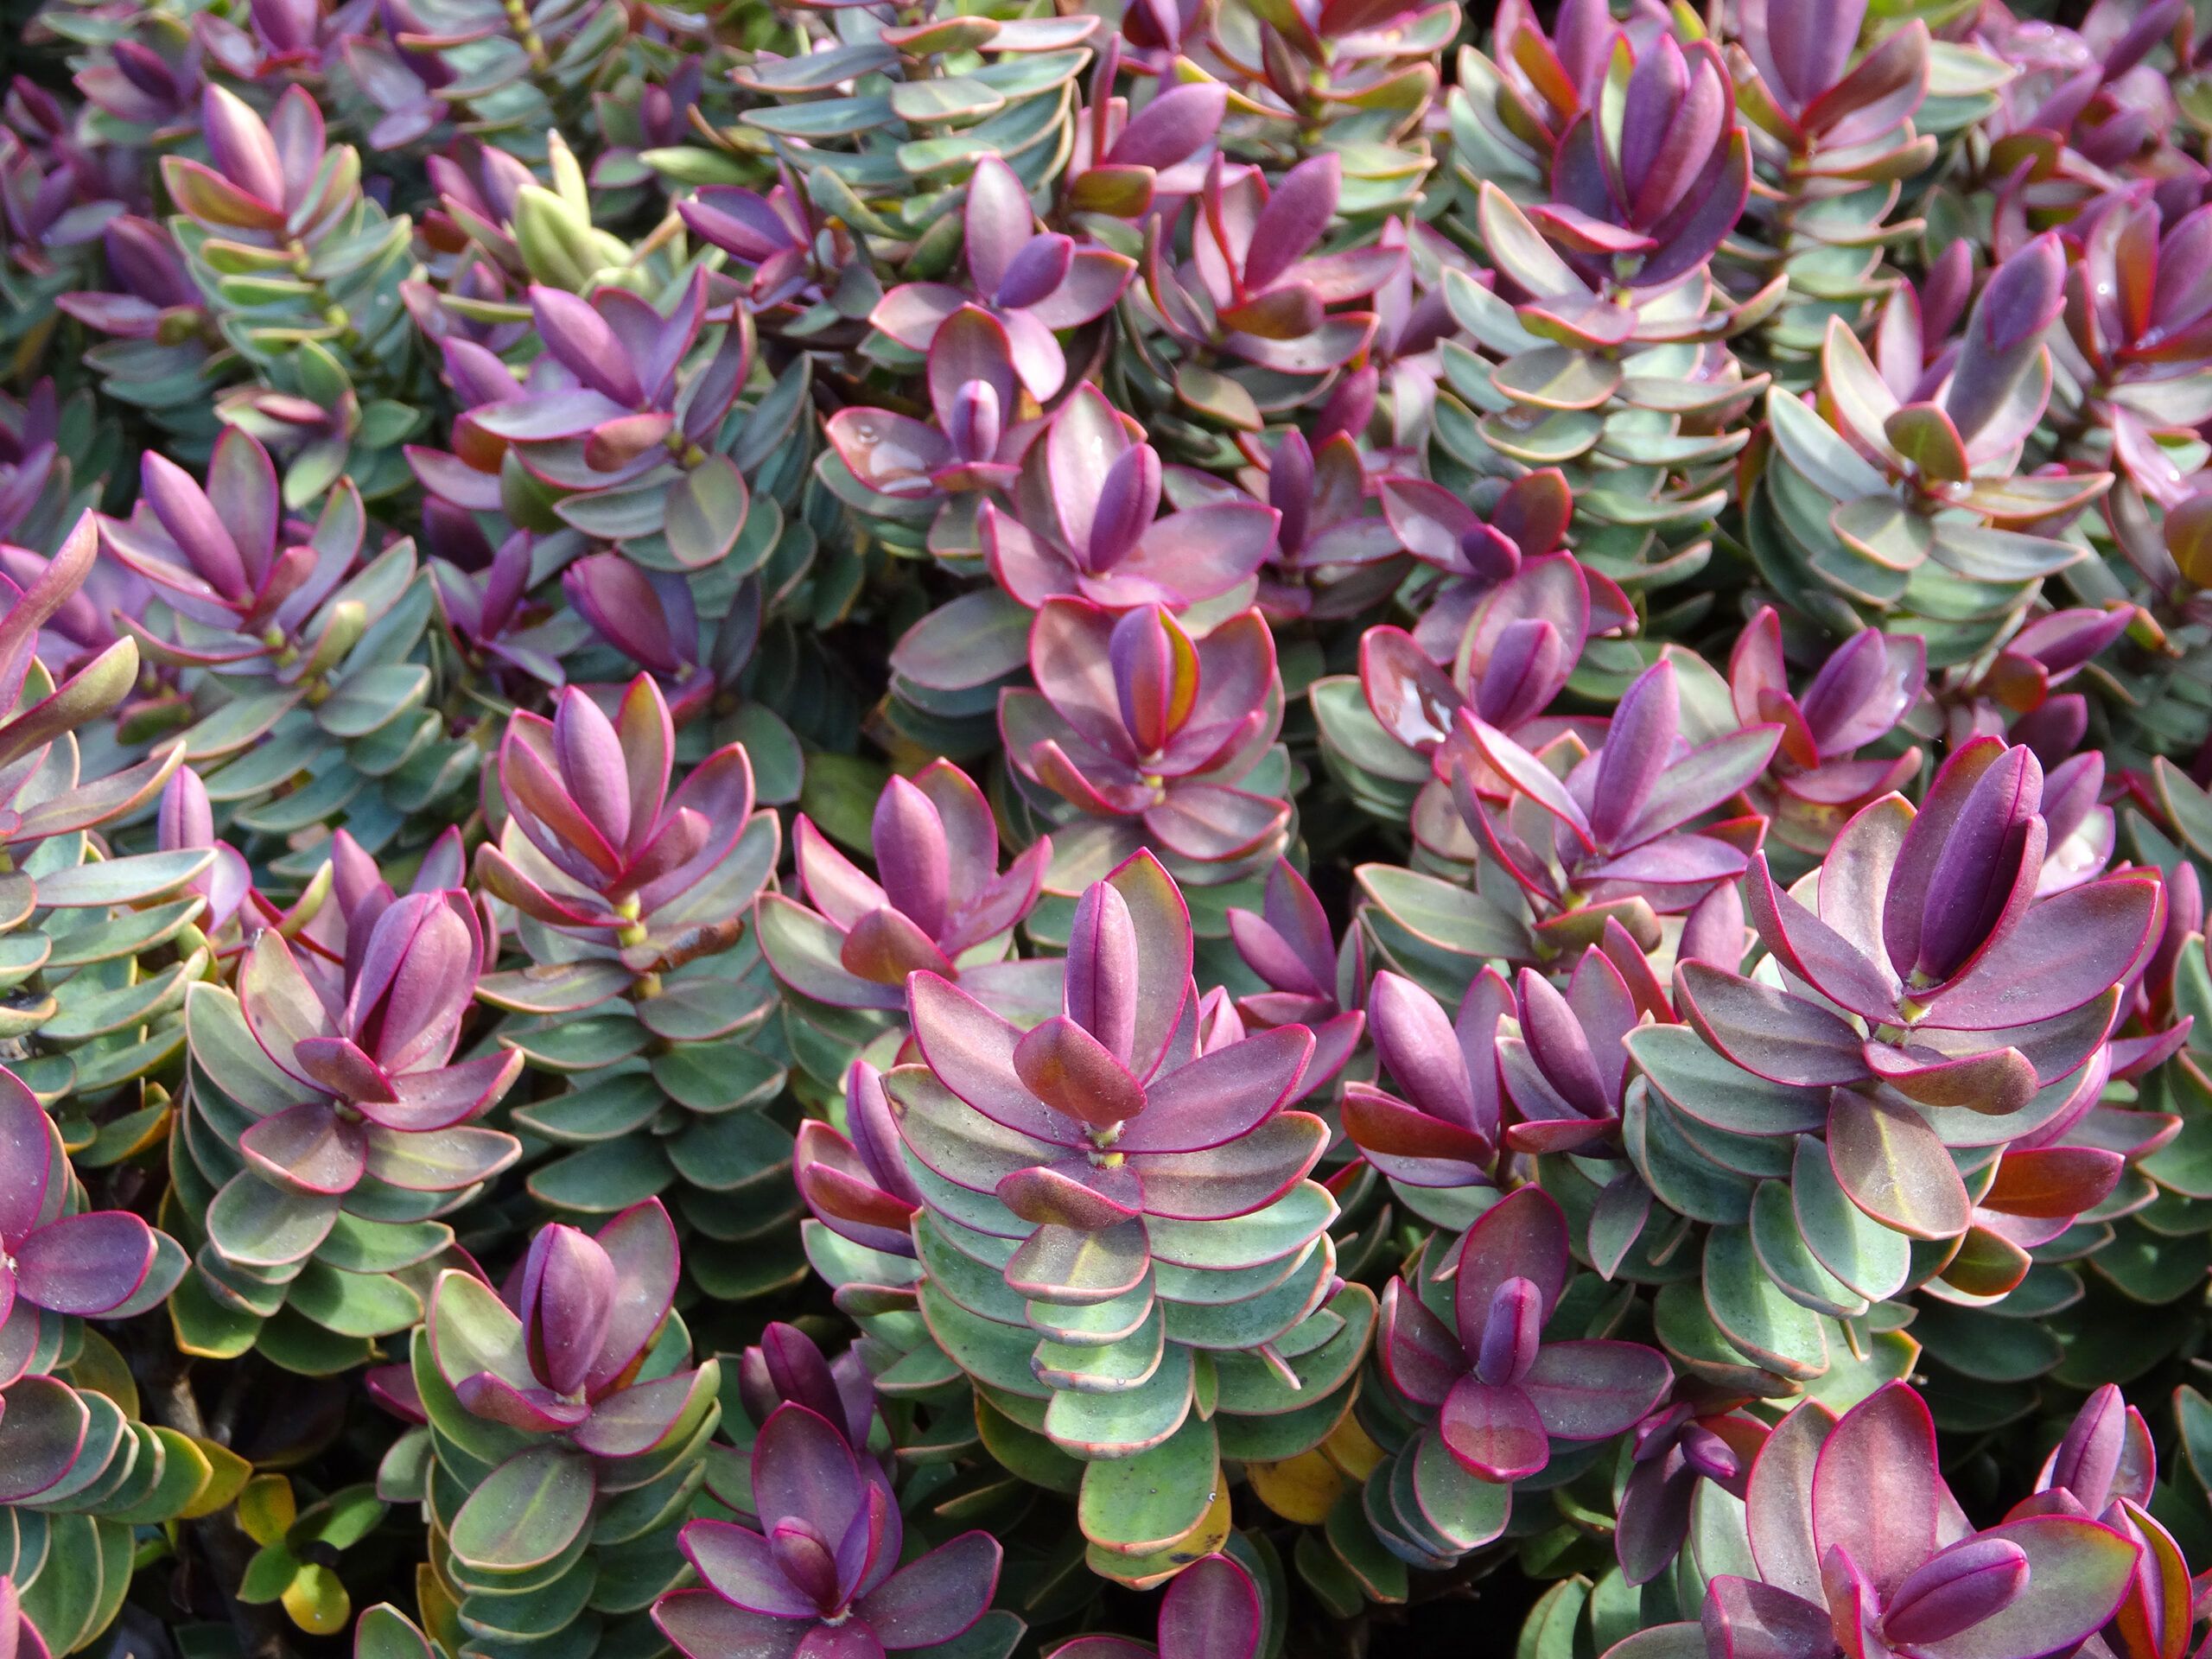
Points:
x=936, y=1597
x=2077, y=1572
x=704, y=1627
x=1639, y=747
x=1701, y=780
x=1212, y=1611
x=1071, y=1197
x=1815, y=952
x=26, y=1158
x=308, y=1147
x=1418, y=1353
x=84, y=1264
x=1895, y=1167
x=2066, y=951
x=971, y=1051
x=1524, y=1236
x=803, y=1470
x=1494, y=1431
x=1593, y=1390
x=1070, y=1071
x=1297, y=212
x=1238, y=1176
x=1745, y=1619
x=1036, y=271
x=641, y=1242
x=999, y=222
x=1222, y=1095
x=1778, y=1500
x=1876, y=1491
x=1529, y=774
x=1768, y=1033
x=1172, y=128
x=580, y=338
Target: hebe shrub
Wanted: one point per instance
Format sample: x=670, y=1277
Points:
x=1214, y=829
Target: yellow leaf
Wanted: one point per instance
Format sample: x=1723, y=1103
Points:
x=1303, y=1489
x=1145, y=1572
x=227, y=1473
x=98, y=1369
x=1352, y=1449
x=267, y=1509
x=441, y=1611
x=317, y=1602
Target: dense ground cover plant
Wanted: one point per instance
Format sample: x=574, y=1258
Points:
x=1247, y=828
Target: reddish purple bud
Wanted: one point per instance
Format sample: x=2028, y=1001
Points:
x=1945, y=289
x=142, y=258
x=912, y=858
x=243, y=150
x=1155, y=676
x=1128, y=499
x=1507, y=1343
x=567, y=1295
x=806, y=1562
x=1100, y=993
x=1036, y=273
x=1290, y=487
x=1524, y=671
x=592, y=765
x=1710, y=1455
x=1955, y=1590
x=974, y=422
x=1976, y=875
x=184, y=511
x=2184, y=916
x=186, y=819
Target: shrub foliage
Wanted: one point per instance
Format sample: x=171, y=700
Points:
x=1222, y=829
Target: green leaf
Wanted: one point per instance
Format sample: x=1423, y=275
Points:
x=131, y=881
x=535, y=1505
x=1879, y=528
x=1135, y=1506
x=2188, y=807
x=1818, y=451
x=1442, y=912
x=373, y=698
x=1128, y=1422
x=952, y=98
x=706, y=509
x=1557, y=377
x=1862, y=1254
x=1892, y=1165
x=354, y=1304
x=1752, y=1312
x=224, y=1048
x=1548, y=1630
x=1382, y=1575
x=601, y=1178
x=716, y=1077
x=257, y=1226
x=1796, y=1271
x=1463, y=1510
